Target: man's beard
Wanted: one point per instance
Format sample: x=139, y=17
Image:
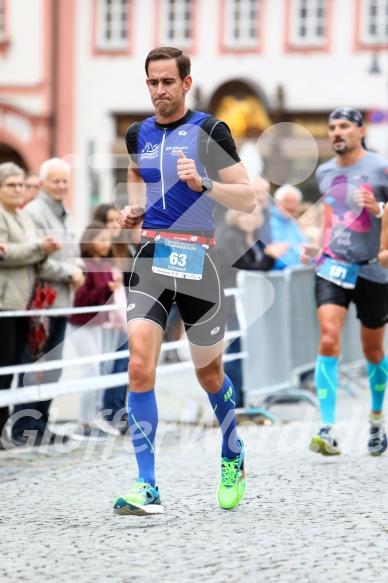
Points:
x=342, y=149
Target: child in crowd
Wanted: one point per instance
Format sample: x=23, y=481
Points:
x=123, y=249
x=86, y=329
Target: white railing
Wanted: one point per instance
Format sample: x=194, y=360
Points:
x=42, y=392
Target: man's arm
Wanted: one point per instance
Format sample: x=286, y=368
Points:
x=132, y=215
x=235, y=190
x=383, y=253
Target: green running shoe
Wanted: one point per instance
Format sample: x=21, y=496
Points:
x=325, y=442
x=142, y=500
x=233, y=483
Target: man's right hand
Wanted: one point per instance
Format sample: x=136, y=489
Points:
x=50, y=245
x=78, y=278
x=131, y=217
x=309, y=252
x=276, y=249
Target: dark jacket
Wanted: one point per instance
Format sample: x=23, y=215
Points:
x=94, y=292
x=235, y=254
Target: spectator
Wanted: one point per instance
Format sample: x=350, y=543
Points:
x=23, y=254
x=284, y=226
x=49, y=214
x=86, y=329
x=123, y=249
x=238, y=240
x=31, y=187
x=309, y=217
x=261, y=188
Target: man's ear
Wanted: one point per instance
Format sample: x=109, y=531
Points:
x=187, y=82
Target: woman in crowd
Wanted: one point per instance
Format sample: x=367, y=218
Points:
x=123, y=249
x=20, y=264
x=86, y=329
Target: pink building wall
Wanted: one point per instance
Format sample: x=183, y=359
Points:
x=50, y=132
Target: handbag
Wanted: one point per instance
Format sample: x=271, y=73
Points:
x=38, y=326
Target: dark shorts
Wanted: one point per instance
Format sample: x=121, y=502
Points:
x=201, y=303
x=370, y=299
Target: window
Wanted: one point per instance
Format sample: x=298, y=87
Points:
x=2, y=21
x=308, y=21
x=241, y=23
x=178, y=23
x=113, y=29
x=374, y=22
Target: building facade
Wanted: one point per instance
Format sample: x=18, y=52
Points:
x=72, y=80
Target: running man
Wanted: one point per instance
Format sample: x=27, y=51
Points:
x=181, y=162
x=354, y=189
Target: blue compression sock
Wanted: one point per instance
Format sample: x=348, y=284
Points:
x=223, y=404
x=377, y=376
x=326, y=382
x=143, y=421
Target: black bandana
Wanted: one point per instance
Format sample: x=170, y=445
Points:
x=348, y=113
x=352, y=115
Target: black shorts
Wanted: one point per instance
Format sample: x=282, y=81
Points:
x=201, y=303
x=370, y=299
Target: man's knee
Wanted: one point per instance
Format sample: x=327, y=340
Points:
x=374, y=354
x=141, y=370
x=210, y=378
x=329, y=344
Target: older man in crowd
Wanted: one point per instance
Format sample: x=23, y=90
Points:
x=284, y=227
x=65, y=275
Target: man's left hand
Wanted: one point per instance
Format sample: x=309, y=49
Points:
x=187, y=172
x=365, y=198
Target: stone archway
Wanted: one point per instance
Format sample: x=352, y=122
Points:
x=8, y=154
x=242, y=104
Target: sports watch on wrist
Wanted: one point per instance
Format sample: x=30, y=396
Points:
x=380, y=214
x=207, y=184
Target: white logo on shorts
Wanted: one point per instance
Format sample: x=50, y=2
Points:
x=215, y=330
x=130, y=307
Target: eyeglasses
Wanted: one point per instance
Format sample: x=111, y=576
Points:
x=13, y=185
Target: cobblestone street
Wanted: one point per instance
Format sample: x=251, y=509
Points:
x=304, y=518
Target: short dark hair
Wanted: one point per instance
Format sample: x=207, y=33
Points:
x=182, y=61
x=89, y=234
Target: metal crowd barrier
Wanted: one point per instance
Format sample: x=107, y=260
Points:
x=281, y=338
x=42, y=392
x=278, y=329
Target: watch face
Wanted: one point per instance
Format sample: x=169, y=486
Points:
x=207, y=183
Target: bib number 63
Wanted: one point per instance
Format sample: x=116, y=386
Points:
x=178, y=259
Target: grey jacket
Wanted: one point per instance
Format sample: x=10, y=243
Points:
x=19, y=264
x=52, y=218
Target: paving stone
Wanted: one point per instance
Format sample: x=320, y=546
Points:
x=305, y=518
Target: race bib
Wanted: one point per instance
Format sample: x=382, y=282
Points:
x=178, y=258
x=343, y=274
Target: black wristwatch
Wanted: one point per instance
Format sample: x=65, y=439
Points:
x=207, y=184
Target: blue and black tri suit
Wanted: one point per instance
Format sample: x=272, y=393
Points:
x=172, y=206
